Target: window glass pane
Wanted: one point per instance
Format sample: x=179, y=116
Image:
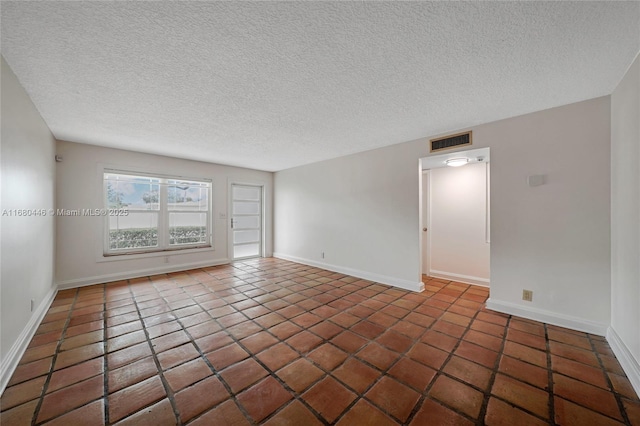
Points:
x=132, y=192
x=244, y=222
x=187, y=196
x=163, y=212
x=240, y=237
x=246, y=207
x=246, y=250
x=187, y=228
x=137, y=230
x=246, y=193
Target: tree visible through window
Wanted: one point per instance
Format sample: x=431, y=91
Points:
x=160, y=213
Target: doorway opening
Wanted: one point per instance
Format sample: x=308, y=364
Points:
x=246, y=221
x=455, y=216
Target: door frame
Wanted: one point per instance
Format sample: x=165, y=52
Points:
x=262, y=186
x=425, y=222
x=438, y=161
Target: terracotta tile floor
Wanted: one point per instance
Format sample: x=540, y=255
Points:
x=274, y=342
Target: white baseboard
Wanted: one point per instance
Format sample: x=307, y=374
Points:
x=10, y=362
x=466, y=279
x=383, y=279
x=554, y=318
x=627, y=361
x=99, y=279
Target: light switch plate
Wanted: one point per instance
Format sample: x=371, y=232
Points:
x=535, y=180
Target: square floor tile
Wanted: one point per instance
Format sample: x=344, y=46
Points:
x=433, y=413
x=300, y=374
x=567, y=412
x=227, y=355
x=357, y=375
x=329, y=398
x=522, y=395
x=243, y=374
x=304, y=341
x=198, y=398
x=348, y=341
x=393, y=397
x=259, y=341
x=129, y=400
x=587, y=395
x=70, y=397
x=326, y=329
x=187, y=374
x=294, y=414
x=499, y=412
x=365, y=414
x=412, y=373
x=264, y=398
x=428, y=355
x=328, y=356
x=378, y=356
x=457, y=395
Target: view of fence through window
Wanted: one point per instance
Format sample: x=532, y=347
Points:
x=159, y=213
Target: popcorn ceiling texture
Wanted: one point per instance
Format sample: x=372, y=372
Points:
x=276, y=85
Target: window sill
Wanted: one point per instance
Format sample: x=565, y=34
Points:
x=151, y=254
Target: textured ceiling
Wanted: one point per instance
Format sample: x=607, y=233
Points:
x=276, y=85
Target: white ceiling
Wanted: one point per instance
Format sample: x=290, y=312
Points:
x=276, y=85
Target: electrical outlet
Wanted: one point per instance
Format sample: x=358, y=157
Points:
x=322, y=255
x=33, y=303
x=527, y=295
x=166, y=259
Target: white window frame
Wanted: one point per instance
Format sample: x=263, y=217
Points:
x=163, y=215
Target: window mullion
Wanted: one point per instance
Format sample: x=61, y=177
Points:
x=163, y=219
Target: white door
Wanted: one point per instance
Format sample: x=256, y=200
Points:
x=246, y=221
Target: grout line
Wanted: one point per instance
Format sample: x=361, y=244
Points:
x=296, y=395
x=236, y=341
x=552, y=403
x=215, y=372
x=440, y=371
x=168, y=391
x=53, y=361
x=616, y=395
x=105, y=361
x=494, y=373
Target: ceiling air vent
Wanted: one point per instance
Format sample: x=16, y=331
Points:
x=451, y=141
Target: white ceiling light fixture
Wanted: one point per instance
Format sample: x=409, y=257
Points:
x=456, y=162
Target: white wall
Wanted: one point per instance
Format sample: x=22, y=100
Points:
x=552, y=239
x=625, y=223
x=458, y=223
x=28, y=181
x=363, y=211
x=360, y=210
x=79, y=186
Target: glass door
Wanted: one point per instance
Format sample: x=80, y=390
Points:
x=246, y=221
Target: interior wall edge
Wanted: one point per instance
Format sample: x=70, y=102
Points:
x=10, y=362
x=465, y=279
x=628, y=363
x=382, y=279
x=127, y=275
x=548, y=317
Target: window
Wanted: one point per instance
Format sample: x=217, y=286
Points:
x=154, y=213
